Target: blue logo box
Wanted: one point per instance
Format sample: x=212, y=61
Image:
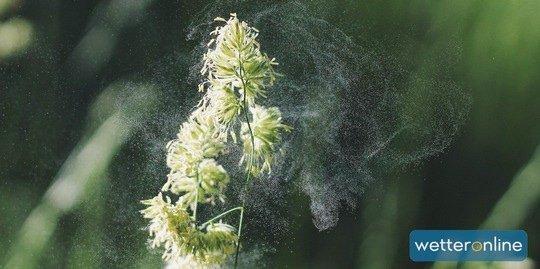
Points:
x=467, y=245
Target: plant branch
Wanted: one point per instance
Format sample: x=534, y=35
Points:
x=220, y=216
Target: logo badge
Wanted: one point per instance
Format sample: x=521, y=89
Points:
x=467, y=245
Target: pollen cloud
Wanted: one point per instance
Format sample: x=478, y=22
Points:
x=356, y=115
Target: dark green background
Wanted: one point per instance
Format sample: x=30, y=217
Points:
x=490, y=48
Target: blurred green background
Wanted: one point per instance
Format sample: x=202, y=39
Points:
x=62, y=194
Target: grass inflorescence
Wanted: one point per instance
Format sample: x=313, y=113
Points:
x=237, y=74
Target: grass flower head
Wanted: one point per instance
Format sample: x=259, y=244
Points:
x=238, y=74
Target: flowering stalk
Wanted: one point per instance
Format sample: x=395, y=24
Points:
x=238, y=74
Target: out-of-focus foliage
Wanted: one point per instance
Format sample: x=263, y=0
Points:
x=57, y=57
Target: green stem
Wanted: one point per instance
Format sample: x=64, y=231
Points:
x=239, y=234
x=196, y=195
x=221, y=215
x=249, y=165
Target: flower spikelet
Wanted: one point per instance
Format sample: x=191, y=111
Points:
x=198, y=138
x=267, y=129
x=236, y=61
x=166, y=223
x=224, y=104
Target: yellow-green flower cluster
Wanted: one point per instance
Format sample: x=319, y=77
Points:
x=236, y=60
x=266, y=127
x=167, y=221
x=237, y=75
x=196, y=178
x=195, y=175
x=172, y=227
